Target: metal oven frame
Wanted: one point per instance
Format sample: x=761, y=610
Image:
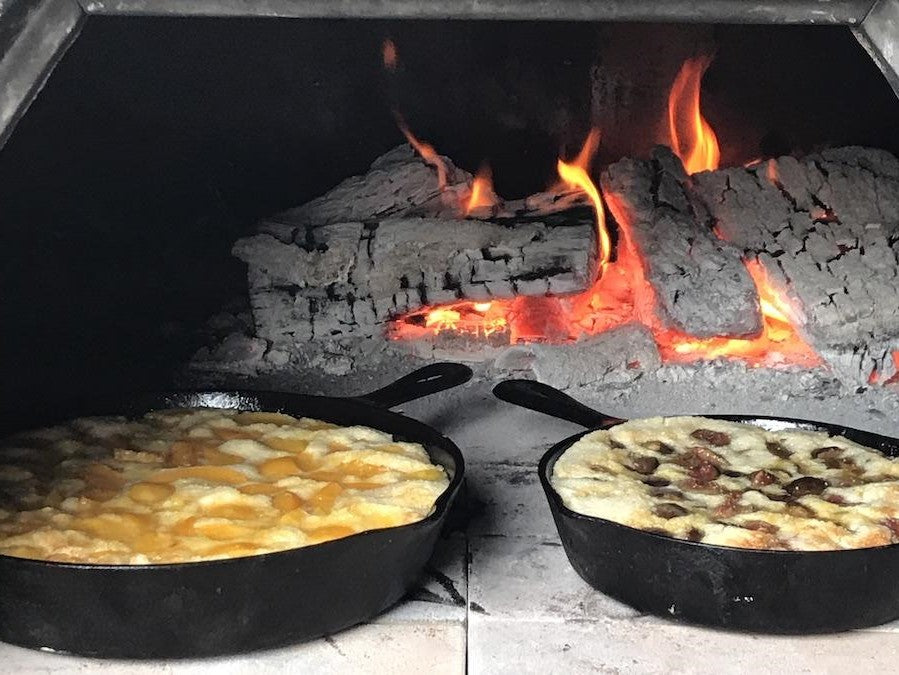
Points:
x=34, y=34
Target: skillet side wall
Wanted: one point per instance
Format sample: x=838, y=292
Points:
x=228, y=606
x=208, y=609
x=759, y=591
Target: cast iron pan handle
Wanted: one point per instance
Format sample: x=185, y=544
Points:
x=550, y=401
x=422, y=382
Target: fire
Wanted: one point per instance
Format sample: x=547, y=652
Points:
x=771, y=172
x=876, y=377
x=471, y=318
x=427, y=151
x=531, y=318
x=575, y=174
x=482, y=193
x=895, y=378
x=778, y=342
x=389, y=54
x=621, y=293
x=689, y=134
x=390, y=58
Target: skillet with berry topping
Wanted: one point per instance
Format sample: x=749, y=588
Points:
x=734, y=484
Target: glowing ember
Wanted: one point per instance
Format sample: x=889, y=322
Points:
x=689, y=135
x=778, y=343
x=534, y=318
x=470, y=318
x=621, y=293
x=771, y=173
x=877, y=378
x=482, y=194
x=389, y=54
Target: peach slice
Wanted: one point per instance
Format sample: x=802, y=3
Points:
x=231, y=511
x=150, y=493
x=294, y=445
x=244, y=418
x=286, y=501
x=215, y=457
x=213, y=474
x=432, y=473
x=222, y=531
x=232, y=433
x=329, y=533
x=126, y=527
x=233, y=550
x=259, y=489
x=323, y=500
x=279, y=467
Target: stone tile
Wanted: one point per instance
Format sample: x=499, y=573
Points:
x=509, y=500
x=635, y=646
x=487, y=429
x=443, y=590
x=530, y=578
x=438, y=647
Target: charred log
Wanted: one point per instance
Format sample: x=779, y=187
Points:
x=700, y=282
x=352, y=278
x=826, y=228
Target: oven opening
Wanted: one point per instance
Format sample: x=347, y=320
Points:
x=599, y=205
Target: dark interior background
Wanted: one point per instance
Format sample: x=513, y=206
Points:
x=157, y=142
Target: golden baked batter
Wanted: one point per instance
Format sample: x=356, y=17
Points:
x=203, y=484
x=733, y=484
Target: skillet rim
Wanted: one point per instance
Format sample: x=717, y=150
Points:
x=548, y=459
x=441, y=504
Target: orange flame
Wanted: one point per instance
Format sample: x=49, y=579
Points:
x=771, y=172
x=690, y=136
x=482, y=193
x=389, y=54
x=575, y=174
x=529, y=318
x=427, y=151
x=876, y=377
x=471, y=318
x=779, y=341
x=895, y=378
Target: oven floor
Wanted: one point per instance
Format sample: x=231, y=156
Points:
x=501, y=597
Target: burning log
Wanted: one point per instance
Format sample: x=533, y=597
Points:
x=701, y=285
x=398, y=183
x=826, y=228
x=314, y=275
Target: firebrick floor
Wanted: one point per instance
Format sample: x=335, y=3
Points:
x=502, y=598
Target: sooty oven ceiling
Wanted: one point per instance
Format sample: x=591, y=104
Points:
x=158, y=142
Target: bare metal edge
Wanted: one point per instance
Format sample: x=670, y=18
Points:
x=833, y=12
x=37, y=34
x=879, y=35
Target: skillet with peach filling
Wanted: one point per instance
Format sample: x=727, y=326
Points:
x=733, y=484
x=203, y=484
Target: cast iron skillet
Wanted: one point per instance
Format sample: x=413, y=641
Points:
x=753, y=590
x=226, y=606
